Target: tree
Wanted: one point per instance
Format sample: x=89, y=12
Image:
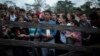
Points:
x=69, y=5
x=95, y=3
x=64, y=6
x=38, y=4
x=99, y=3
x=86, y=7
x=10, y=3
x=28, y=6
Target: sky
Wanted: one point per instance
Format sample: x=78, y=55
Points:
x=50, y=2
x=53, y=2
x=77, y=2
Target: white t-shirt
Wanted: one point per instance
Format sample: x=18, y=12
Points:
x=12, y=17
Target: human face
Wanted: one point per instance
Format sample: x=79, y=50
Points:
x=83, y=17
x=78, y=13
x=21, y=19
x=35, y=17
x=98, y=12
x=61, y=20
x=29, y=17
x=53, y=15
x=69, y=16
x=47, y=16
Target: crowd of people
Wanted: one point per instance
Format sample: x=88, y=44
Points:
x=76, y=19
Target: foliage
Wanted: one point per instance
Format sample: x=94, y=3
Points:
x=86, y=7
x=64, y=6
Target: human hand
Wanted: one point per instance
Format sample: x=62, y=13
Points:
x=47, y=37
x=21, y=35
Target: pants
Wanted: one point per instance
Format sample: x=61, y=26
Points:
x=48, y=52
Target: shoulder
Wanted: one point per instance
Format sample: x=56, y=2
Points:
x=52, y=22
x=41, y=21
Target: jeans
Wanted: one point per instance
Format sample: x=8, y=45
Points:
x=48, y=52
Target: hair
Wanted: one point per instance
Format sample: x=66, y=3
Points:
x=73, y=17
x=54, y=13
x=48, y=11
x=94, y=15
x=97, y=9
x=78, y=9
x=34, y=15
x=62, y=16
x=75, y=22
x=22, y=10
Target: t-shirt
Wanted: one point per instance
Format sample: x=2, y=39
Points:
x=33, y=31
x=51, y=31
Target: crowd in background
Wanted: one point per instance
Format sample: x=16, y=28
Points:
x=75, y=19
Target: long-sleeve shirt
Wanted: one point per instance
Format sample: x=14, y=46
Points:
x=52, y=31
x=75, y=39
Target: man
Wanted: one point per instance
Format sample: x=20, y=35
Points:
x=95, y=22
x=95, y=18
x=12, y=15
x=48, y=35
x=84, y=21
x=78, y=14
x=54, y=17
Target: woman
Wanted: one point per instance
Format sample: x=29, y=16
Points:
x=69, y=18
x=68, y=37
x=74, y=37
x=19, y=32
x=34, y=32
x=61, y=21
